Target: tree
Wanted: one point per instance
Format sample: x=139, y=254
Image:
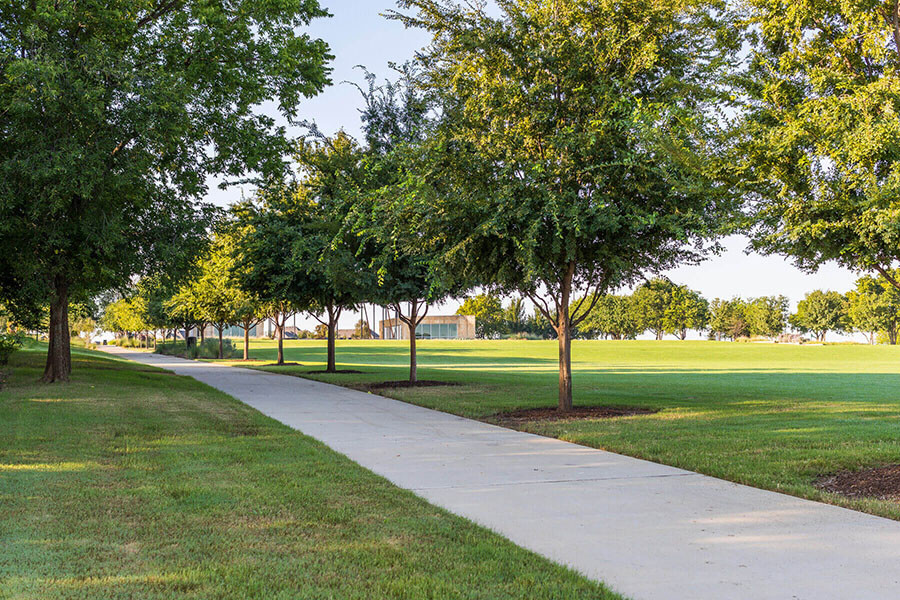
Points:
x=873, y=307
x=820, y=152
x=514, y=315
x=616, y=317
x=574, y=135
x=155, y=292
x=250, y=310
x=652, y=300
x=361, y=331
x=269, y=268
x=124, y=316
x=334, y=176
x=219, y=299
x=184, y=309
x=297, y=249
x=114, y=116
x=686, y=310
x=820, y=312
x=389, y=217
x=488, y=313
x=728, y=318
x=767, y=315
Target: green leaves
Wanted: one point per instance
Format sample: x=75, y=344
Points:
x=296, y=249
x=821, y=140
x=572, y=133
x=820, y=312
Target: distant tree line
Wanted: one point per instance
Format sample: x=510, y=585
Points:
x=661, y=307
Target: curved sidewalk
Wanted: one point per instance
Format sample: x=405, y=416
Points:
x=650, y=531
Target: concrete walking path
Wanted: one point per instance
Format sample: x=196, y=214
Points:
x=649, y=531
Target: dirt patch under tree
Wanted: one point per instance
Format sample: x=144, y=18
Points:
x=882, y=483
x=528, y=415
x=390, y=385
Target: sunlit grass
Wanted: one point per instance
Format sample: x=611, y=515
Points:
x=772, y=416
x=135, y=483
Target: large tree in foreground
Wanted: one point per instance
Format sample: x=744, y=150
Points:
x=575, y=132
x=114, y=114
x=821, y=148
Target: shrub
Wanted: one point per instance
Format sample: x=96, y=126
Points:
x=9, y=343
x=520, y=336
x=208, y=349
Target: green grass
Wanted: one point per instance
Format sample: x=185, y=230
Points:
x=131, y=482
x=771, y=416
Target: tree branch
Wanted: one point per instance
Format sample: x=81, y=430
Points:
x=544, y=310
x=886, y=274
x=424, y=314
x=160, y=11
x=575, y=321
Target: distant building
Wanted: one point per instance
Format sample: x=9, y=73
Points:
x=449, y=327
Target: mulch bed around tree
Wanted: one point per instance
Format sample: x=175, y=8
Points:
x=528, y=415
x=285, y=364
x=882, y=483
x=338, y=372
x=389, y=385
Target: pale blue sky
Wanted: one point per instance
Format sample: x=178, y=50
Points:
x=359, y=35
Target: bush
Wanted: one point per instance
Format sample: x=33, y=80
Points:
x=520, y=336
x=208, y=349
x=9, y=343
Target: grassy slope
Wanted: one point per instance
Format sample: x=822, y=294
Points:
x=131, y=482
x=771, y=416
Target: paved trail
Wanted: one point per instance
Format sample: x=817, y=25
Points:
x=651, y=532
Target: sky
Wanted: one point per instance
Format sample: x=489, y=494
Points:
x=358, y=34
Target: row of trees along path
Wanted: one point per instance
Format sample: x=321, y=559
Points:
x=554, y=149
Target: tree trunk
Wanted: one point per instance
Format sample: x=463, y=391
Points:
x=202, y=333
x=221, y=352
x=246, y=341
x=683, y=334
x=59, y=355
x=564, y=335
x=565, y=366
x=279, y=332
x=413, y=357
x=332, y=326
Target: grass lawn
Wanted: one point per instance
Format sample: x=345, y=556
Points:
x=131, y=482
x=771, y=416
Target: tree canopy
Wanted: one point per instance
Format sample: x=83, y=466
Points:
x=821, y=160
x=820, y=312
x=873, y=307
x=488, y=312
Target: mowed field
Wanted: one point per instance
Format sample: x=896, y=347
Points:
x=131, y=482
x=772, y=416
